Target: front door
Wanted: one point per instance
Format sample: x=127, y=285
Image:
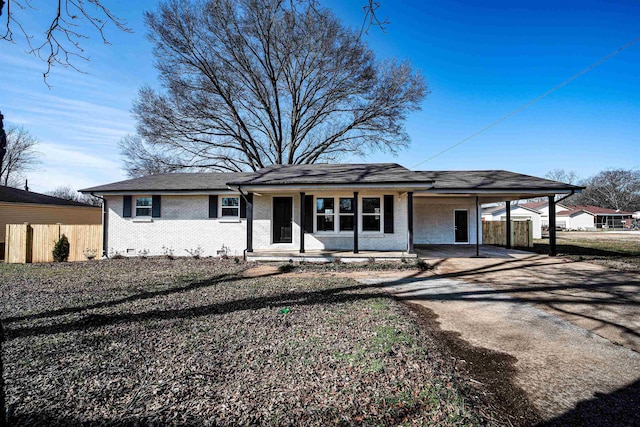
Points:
x=462, y=226
x=282, y=219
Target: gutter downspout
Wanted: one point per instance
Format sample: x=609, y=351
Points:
x=249, y=234
x=567, y=196
x=104, y=225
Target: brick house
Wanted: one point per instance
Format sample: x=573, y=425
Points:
x=307, y=210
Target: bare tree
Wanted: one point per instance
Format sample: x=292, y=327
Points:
x=250, y=83
x=613, y=189
x=68, y=193
x=61, y=43
x=21, y=155
x=562, y=175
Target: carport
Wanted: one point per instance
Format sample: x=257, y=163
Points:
x=450, y=211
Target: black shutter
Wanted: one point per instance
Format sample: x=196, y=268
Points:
x=126, y=206
x=213, y=206
x=308, y=214
x=388, y=214
x=243, y=206
x=155, y=206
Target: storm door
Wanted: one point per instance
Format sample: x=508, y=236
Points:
x=461, y=226
x=282, y=219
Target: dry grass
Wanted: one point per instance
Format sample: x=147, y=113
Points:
x=620, y=251
x=193, y=342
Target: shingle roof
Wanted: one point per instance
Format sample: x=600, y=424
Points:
x=204, y=181
x=535, y=205
x=368, y=173
x=15, y=195
x=336, y=174
x=491, y=180
x=496, y=209
x=594, y=210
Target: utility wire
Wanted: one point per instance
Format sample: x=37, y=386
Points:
x=530, y=103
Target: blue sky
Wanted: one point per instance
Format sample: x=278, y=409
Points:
x=481, y=60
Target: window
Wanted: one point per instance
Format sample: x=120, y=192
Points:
x=371, y=214
x=325, y=214
x=143, y=206
x=230, y=207
x=346, y=214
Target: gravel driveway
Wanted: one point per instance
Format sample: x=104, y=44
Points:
x=573, y=328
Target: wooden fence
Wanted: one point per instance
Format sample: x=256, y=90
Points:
x=494, y=233
x=34, y=242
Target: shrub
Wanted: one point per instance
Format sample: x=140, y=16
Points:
x=286, y=268
x=422, y=265
x=61, y=249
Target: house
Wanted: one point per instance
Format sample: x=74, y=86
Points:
x=304, y=209
x=19, y=206
x=518, y=213
x=578, y=217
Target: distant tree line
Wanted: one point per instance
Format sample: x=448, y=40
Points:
x=612, y=188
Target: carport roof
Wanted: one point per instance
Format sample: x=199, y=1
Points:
x=491, y=180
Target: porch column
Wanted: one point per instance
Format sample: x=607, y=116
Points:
x=478, y=225
x=410, y=221
x=508, y=232
x=249, y=199
x=552, y=226
x=302, y=215
x=355, y=222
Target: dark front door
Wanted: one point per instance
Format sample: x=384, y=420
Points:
x=282, y=218
x=462, y=226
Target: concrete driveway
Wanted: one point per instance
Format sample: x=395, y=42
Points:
x=573, y=328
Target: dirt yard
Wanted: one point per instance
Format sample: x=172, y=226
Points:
x=205, y=342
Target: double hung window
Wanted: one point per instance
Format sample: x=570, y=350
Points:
x=371, y=214
x=325, y=214
x=230, y=207
x=346, y=214
x=143, y=206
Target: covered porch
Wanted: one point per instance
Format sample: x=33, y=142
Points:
x=329, y=256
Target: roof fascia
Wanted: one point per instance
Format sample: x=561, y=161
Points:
x=161, y=192
x=404, y=186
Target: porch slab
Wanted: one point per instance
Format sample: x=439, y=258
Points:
x=466, y=251
x=328, y=256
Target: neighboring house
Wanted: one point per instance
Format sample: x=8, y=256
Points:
x=578, y=217
x=543, y=209
x=301, y=208
x=19, y=206
x=518, y=213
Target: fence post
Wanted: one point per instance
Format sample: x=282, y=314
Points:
x=28, y=257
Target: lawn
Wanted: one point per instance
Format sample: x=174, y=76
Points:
x=616, y=250
x=194, y=342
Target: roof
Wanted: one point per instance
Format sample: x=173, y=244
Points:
x=15, y=195
x=366, y=173
x=339, y=175
x=204, y=181
x=535, y=205
x=491, y=180
x=593, y=210
x=496, y=209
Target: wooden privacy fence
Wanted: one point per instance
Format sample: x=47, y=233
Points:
x=34, y=242
x=494, y=233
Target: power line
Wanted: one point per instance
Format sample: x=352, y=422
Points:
x=530, y=103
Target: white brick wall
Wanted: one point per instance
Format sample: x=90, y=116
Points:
x=433, y=219
x=184, y=224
